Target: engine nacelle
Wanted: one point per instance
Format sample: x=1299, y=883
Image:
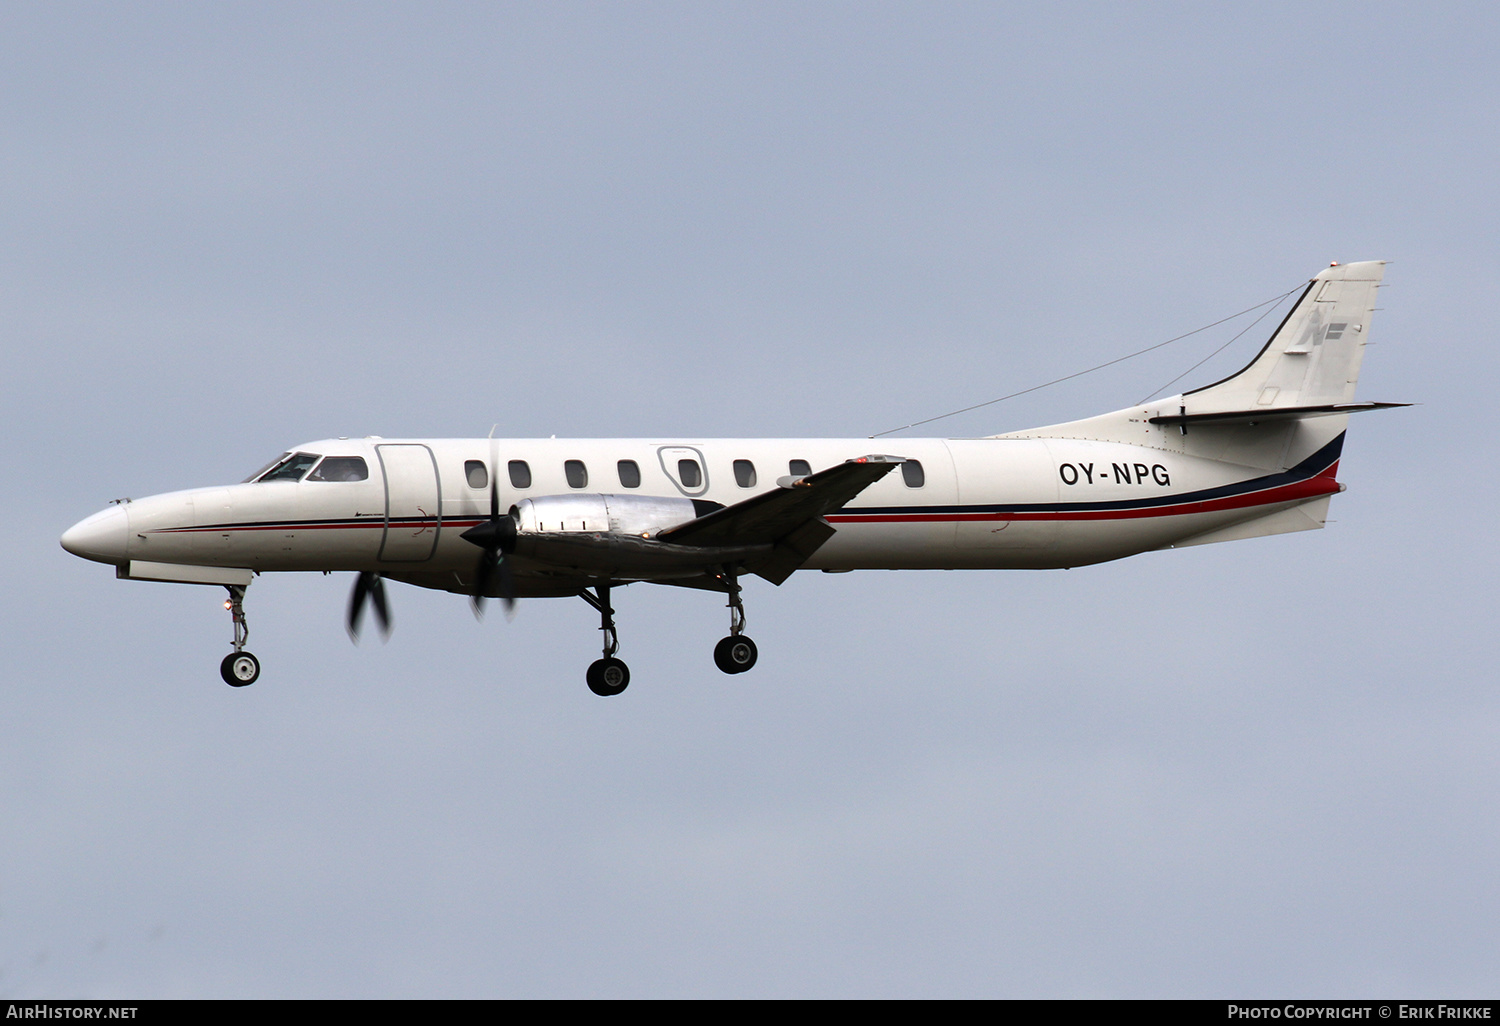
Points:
x=614, y=536
x=641, y=516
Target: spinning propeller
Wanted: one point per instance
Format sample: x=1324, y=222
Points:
x=497, y=537
x=368, y=586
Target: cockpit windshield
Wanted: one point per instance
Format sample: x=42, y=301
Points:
x=267, y=467
x=288, y=467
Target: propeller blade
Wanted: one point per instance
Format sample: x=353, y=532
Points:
x=482, y=574
x=368, y=587
x=357, y=606
x=497, y=537
x=382, y=611
x=508, y=589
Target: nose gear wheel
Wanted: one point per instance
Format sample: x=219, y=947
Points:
x=239, y=667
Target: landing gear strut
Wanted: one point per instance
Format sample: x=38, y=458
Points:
x=736, y=653
x=607, y=676
x=239, y=667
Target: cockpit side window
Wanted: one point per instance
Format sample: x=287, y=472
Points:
x=341, y=468
x=290, y=467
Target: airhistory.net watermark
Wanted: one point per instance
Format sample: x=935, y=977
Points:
x=53, y=1010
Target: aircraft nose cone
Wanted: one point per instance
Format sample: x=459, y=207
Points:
x=101, y=537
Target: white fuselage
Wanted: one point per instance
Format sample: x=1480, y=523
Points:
x=1017, y=502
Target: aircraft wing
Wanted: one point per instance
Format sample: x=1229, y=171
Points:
x=789, y=518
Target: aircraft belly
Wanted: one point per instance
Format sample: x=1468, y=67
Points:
x=1083, y=543
x=885, y=546
x=1033, y=545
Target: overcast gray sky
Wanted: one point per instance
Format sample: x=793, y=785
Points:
x=1266, y=768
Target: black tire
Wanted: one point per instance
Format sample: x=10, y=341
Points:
x=239, y=669
x=608, y=677
x=735, y=654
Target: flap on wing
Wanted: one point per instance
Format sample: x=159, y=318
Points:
x=1271, y=413
x=771, y=516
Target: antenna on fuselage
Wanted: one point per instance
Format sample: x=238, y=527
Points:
x=1111, y=363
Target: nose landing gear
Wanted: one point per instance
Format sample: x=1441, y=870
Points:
x=239, y=667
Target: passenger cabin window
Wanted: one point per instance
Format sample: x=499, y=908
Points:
x=744, y=473
x=520, y=474
x=798, y=468
x=911, y=473
x=576, y=473
x=341, y=468
x=630, y=473
x=290, y=467
x=690, y=473
x=476, y=474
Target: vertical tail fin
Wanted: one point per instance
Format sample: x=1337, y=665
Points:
x=1314, y=356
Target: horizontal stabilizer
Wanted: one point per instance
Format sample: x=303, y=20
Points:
x=1272, y=413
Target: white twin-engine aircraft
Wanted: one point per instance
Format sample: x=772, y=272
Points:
x=1254, y=454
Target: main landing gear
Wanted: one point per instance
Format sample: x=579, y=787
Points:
x=607, y=676
x=239, y=667
x=736, y=653
x=610, y=676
